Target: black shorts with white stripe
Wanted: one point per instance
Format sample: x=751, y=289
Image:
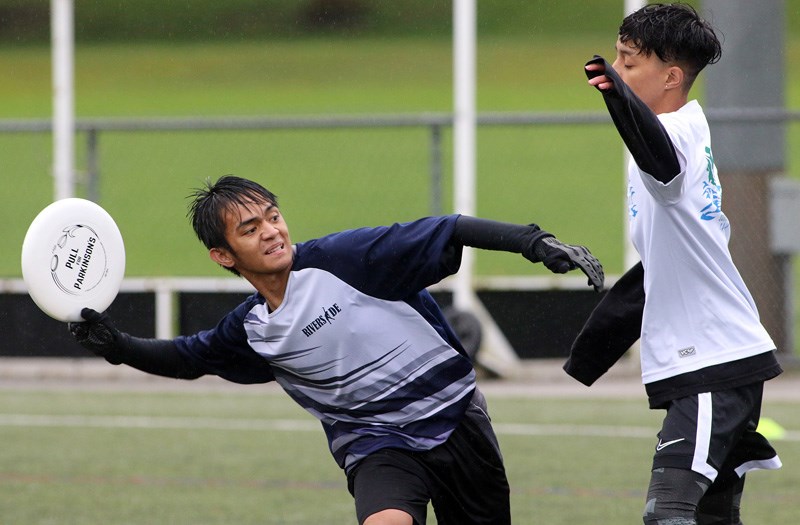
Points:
x=715, y=432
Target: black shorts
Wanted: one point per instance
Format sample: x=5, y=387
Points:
x=715, y=433
x=463, y=478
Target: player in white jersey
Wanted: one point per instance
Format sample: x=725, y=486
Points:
x=345, y=325
x=704, y=353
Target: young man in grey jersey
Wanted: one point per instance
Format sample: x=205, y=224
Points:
x=345, y=325
x=704, y=353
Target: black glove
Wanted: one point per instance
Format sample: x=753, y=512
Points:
x=154, y=356
x=98, y=334
x=561, y=258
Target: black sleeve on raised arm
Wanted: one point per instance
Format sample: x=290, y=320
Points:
x=494, y=235
x=639, y=127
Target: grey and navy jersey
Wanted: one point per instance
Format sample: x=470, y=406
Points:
x=357, y=341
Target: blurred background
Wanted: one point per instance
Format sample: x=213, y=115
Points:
x=344, y=108
x=168, y=94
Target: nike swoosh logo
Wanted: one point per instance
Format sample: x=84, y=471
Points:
x=665, y=444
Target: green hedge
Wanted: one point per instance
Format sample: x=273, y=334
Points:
x=28, y=21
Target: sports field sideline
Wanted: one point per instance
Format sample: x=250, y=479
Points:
x=534, y=378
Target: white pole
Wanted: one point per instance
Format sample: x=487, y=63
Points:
x=630, y=255
x=464, y=124
x=495, y=353
x=62, y=43
x=633, y=5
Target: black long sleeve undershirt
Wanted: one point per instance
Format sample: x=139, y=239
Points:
x=639, y=127
x=612, y=327
x=154, y=356
x=494, y=235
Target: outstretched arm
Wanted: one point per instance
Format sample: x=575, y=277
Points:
x=154, y=356
x=639, y=127
x=532, y=242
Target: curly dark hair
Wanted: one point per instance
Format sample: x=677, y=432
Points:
x=675, y=33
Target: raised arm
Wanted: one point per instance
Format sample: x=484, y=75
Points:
x=532, y=242
x=639, y=127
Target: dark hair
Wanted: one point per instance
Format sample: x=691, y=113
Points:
x=675, y=33
x=211, y=202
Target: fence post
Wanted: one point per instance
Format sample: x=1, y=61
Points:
x=436, y=169
x=92, y=173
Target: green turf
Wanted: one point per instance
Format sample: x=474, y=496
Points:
x=327, y=179
x=84, y=475
x=568, y=179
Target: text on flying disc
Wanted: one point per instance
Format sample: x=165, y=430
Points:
x=79, y=261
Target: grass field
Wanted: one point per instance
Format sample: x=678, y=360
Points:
x=566, y=178
x=327, y=180
x=251, y=456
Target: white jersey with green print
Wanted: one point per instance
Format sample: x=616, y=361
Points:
x=698, y=311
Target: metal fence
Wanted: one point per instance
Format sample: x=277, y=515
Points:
x=435, y=122
x=165, y=288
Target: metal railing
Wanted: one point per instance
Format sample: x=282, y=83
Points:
x=165, y=290
x=92, y=127
x=436, y=122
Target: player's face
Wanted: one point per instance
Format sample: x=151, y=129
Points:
x=259, y=240
x=646, y=75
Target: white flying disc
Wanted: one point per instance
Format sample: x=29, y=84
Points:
x=73, y=257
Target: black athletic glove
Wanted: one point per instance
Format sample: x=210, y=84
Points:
x=98, y=334
x=154, y=356
x=561, y=258
x=530, y=242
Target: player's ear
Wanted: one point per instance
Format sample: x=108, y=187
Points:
x=675, y=77
x=222, y=257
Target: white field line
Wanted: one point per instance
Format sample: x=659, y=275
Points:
x=525, y=429
x=298, y=425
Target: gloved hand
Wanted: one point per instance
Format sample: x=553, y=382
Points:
x=561, y=258
x=98, y=334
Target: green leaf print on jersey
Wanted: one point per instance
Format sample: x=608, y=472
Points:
x=712, y=191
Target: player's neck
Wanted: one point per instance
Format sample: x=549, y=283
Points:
x=271, y=286
x=670, y=102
